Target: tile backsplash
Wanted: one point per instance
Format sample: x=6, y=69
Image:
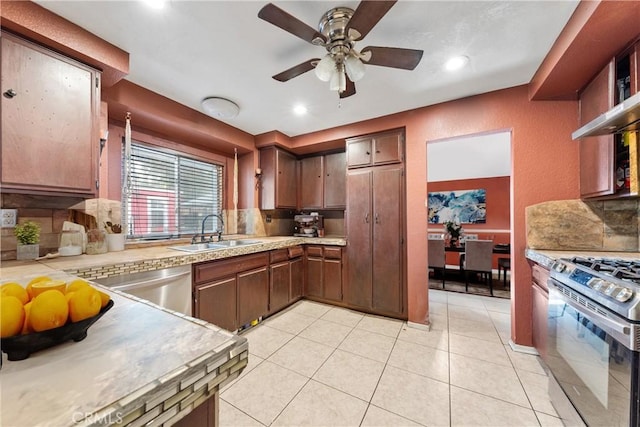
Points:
x=610, y=225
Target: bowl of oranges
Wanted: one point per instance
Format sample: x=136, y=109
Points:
x=46, y=313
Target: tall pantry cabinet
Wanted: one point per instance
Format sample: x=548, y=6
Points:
x=374, y=220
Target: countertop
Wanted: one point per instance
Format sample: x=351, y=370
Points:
x=547, y=257
x=134, y=358
x=150, y=258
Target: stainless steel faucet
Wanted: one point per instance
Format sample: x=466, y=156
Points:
x=220, y=228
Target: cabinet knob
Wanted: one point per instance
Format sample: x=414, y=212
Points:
x=10, y=93
x=368, y=153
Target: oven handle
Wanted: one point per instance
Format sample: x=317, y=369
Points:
x=604, y=321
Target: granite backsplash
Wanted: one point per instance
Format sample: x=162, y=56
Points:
x=610, y=225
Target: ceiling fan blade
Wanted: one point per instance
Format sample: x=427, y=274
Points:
x=366, y=16
x=394, y=57
x=296, y=70
x=278, y=17
x=350, y=90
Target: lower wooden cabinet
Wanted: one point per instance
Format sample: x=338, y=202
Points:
x=253, y=295
x=324, y=272
x=540, y=304
x=280, y=283
x=232, y=292
x=216, y=303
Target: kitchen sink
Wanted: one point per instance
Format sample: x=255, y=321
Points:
x=212, y=246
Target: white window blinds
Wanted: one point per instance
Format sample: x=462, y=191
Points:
x=170, y=194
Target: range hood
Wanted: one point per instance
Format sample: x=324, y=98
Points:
x=621, y=118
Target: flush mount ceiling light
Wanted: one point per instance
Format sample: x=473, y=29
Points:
x=155, y=4
x=300, y=110
x=220, y=108
x=338, y=31
x=456, y=63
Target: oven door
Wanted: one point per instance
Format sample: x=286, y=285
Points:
x=587, y=357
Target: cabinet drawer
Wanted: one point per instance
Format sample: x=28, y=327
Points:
x=295, y=251
x=540, y=276
x=216, y=269
x=332, y=253
x=278, y=255
x=314, y=251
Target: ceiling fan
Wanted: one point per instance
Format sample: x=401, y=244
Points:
x=338, y=31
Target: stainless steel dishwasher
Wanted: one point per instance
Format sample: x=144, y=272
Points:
x=169, y=287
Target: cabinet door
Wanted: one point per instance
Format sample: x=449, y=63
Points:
x=332, y=279
x=358, y=227
x=540, y=304
x=279, y=286
x=50, y=127
x=297, y=278
x=387, y=148
x=253, y=295
x=387, y=286
x=314, y=277
x=311, y=180
x=286, y=180
x=215, y=302
x=597, y=156
x=335, y=176
x=359, y=152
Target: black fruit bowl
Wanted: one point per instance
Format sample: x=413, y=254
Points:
x=20, y=347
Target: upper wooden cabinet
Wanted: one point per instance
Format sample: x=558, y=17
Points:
x=279, y=179
x=378, y=149
x=323, y=182
x=597, y=152
x=50, y=121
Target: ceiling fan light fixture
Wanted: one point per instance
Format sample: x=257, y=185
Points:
x=325, y=68
x=338, y=81
x=354, y=67
x=220, y=108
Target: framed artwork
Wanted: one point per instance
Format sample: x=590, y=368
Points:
x=463, y=206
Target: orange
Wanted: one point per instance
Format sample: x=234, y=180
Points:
x=48, y=310
x=104, y=299
x=26, y=327
x=16, y=290
x=40, y=287
x=84, y=303
x=36, y=280
x=76, y=284
x=11, y=316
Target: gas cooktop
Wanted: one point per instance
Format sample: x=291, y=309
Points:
x=613, y=283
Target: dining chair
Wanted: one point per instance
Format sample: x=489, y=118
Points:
x=504, y=265
x=436, y=256
x=478, y=259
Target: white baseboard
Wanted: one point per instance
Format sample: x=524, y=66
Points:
x=523, y=348
x=420, y=326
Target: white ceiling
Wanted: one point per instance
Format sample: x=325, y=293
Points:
x=194, y=49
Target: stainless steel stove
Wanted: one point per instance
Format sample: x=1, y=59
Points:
x=613, y=283
x=593, y=341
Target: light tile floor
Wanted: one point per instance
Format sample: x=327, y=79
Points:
x=319, y=365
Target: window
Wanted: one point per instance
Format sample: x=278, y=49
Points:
x=169, y=194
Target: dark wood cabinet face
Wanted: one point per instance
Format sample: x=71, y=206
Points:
x=216, y=303
x=314, y=277
x=387, y=235
x=279, y=286
x=359, y=152
x=358, y=223
x=311, y=182
x=332, y=279
x=286, y=180
x=335, y=177
x=297, y=278
x=253, y=295
x=387, y=149
x=51, y=123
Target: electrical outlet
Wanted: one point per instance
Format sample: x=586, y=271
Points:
x=9, y=218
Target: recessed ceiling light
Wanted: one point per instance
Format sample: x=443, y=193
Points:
x=300, y=110
x=155, y=4
x=456, y=63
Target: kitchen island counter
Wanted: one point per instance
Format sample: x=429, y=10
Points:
x=138, y=363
